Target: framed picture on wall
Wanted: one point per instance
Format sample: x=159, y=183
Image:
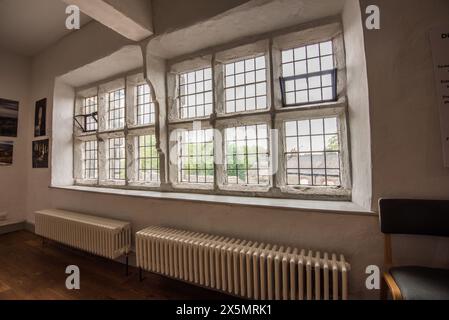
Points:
x=9, y=116
x=41, y=149
x=40, y=118
x=6, y=153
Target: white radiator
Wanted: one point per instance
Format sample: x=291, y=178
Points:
x=104, y=237
x=243, y=268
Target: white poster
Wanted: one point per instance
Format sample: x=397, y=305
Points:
x=439, y=38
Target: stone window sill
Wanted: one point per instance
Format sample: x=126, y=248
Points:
x=338, y=207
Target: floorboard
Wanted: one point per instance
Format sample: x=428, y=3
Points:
x=31, y=271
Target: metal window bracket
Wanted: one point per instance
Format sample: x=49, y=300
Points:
x=81, y=121
x=333, y=74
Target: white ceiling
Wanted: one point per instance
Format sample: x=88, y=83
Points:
x=29, y=26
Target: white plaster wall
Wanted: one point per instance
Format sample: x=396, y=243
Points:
x=358, y=104
x=91, y=43
x=356, y=237
x=404, y=115
x=406, y=141
x=15, y=85
x=62, y=143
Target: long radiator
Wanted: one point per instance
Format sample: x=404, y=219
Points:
x=243, y=268
x=104, y=237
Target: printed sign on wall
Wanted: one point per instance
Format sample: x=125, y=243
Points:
x=439, y=38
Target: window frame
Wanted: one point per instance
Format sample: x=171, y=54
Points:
x=337, y=110
x=310, y=154
x=246, y=120
x=332, y=72
x=273, y=116
x=197, y=92
x=245, y=84
x=247, y=154
x=174, y=169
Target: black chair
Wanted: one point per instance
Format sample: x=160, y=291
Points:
x=414, y=217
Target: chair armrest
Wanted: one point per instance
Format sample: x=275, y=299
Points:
x=392, y=285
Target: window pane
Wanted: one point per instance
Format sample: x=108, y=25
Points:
x=116, y=111
x=90, y=160
x=148, y=159
x=247, y=155
x=246, y=85
x=298, y=64
x=117, y=159
x=196, y=156
x=315, y=161
x=326, y=48
x=145, y=105
x=90, y=107
x=195, y=95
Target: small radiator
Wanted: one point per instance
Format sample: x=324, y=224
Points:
x=242, y=268
x=103, y=237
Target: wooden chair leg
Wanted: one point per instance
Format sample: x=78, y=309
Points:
x=383, y=290
x=393, y=287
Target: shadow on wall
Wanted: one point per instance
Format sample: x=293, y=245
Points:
x=167, y=17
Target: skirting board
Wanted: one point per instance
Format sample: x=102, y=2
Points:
x=28, y=226
x=4, y=229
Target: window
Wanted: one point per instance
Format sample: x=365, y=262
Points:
x=237, y=123
x=308, y=74
x=148, y=159
x=117, y=159
x=116, y=110
x=101, y=156
x=195, y=93
x=90, y=112
x=247, y=156
x=90, y=160
x=196, y=156
x=246, y=85
x=145, y=105
x=312, y=152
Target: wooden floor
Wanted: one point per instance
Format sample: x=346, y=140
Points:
x=30, y=271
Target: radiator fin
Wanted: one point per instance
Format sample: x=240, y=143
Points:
x=103, y=237
x=242, y=268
